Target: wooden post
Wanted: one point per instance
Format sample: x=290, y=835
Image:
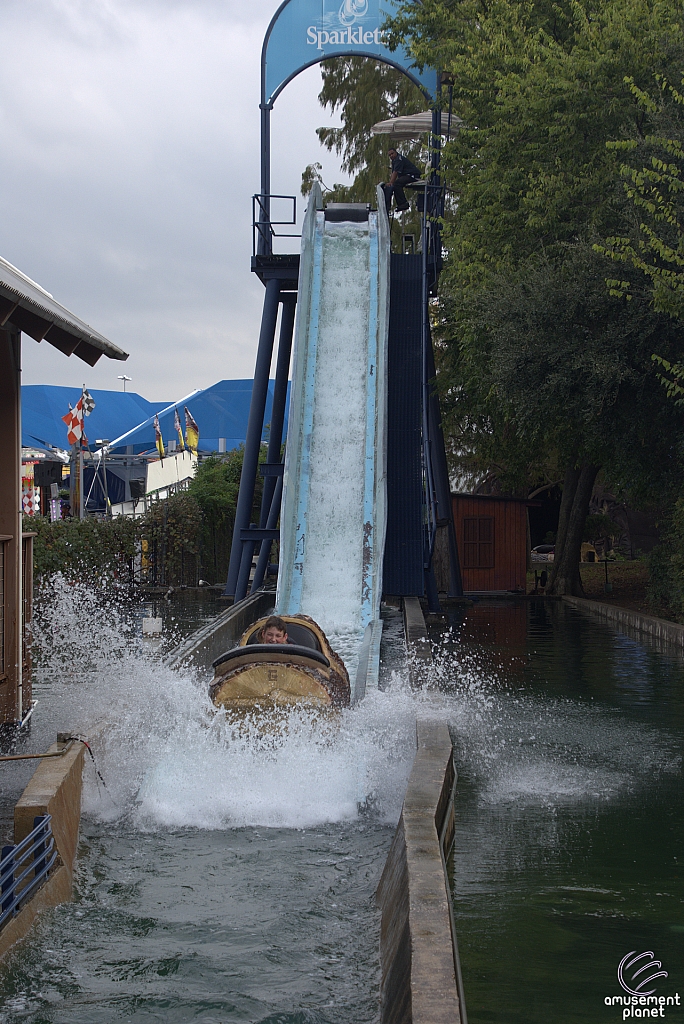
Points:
x=10, y=524
x=26, y=691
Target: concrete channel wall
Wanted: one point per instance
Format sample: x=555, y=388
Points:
x=222, y=633
x=626, y=618
x=55, y=788
x=417, y=641
x=421, y=977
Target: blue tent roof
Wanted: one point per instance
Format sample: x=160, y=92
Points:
x=43, y=405
x=221, y=412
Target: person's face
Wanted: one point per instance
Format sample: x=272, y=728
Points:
x=392, y=153
x=273, y=635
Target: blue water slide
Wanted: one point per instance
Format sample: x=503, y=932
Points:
x=333, y=518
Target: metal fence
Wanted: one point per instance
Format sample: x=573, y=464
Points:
x=24, y=867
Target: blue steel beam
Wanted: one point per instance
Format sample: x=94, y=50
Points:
x=255, y=426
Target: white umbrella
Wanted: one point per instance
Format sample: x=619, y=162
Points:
x=411, y=126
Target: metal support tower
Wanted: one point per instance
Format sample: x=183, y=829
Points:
x=247, y=537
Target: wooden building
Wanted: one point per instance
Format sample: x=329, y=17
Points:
x=492, y=538
x=25, y=307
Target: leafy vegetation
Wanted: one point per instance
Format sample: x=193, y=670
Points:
x=545, y=375
x=180, y=539
x=666, y=568
x=87, y=549
x=365, y=92
x=170, y=539
x=652, y=175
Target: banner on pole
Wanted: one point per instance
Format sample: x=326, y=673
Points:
x=305, y=32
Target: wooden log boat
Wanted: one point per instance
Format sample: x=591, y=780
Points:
x=258, y=676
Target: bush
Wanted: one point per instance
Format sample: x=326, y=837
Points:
x=215, y=488
x=599, y=527
x=83, y=549
x=180, y=539
x=665, y=591
x=170, y=537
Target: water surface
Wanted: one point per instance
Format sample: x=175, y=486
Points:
x=229, y=875
x=570, y=810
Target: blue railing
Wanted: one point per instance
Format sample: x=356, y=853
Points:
x=24, y=867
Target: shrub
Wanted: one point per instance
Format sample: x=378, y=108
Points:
x=665, y=591
x=83, y=549
x=215, y=488
x=170, y=536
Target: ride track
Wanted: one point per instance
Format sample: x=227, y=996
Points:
x=333, y=517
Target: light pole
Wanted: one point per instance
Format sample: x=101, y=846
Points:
x=124, y=378
x=104, y=441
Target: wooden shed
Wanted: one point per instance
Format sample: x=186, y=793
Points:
x=491, y=533
x=25, y=308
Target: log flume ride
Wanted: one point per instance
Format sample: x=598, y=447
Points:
x=260, y=677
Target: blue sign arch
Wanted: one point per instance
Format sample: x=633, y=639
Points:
x=305, y=32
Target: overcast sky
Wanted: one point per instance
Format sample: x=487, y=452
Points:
x=130, y=154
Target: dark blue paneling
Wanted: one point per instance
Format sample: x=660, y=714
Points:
x=403, y=567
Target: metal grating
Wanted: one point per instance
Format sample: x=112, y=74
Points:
x=403, y=566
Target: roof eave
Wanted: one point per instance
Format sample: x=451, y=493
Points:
x=56, y=326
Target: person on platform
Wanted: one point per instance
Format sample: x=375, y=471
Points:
x=274, y=631
x=403, y=173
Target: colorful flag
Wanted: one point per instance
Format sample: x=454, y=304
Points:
x=179, y=429
x=191, y=431
x=159, y=440
x=74, y=418
x=74, y=422
x=87, y=401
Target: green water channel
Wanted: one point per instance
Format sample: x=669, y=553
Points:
x=570, y=811
x=227, y=878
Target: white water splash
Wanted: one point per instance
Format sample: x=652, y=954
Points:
x=522, y=748
x=170, y=759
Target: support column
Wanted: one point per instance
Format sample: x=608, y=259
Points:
x=255, y=426
x=10, y=524
x=275, y=439
x=264, y=241
x=270, y=524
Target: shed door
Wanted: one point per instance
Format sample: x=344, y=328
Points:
x=478, y=542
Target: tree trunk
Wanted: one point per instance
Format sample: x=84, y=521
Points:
x=572, y=475
x=565, y=577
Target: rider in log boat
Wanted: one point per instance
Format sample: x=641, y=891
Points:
x=280, y=661
x=274, y=631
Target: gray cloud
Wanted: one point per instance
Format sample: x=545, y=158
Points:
x=130, y=155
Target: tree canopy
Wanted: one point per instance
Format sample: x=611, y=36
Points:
x=544, y=374
x=379, y=92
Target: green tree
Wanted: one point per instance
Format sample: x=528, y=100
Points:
x=215, y=488
x=567, y=370
x=538, y=362
x=541, y=88
x=365, y=92
x=379, y=92
x=653, y=179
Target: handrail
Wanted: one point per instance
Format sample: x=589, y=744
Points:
x=34, y=757
x=39, y=846
x=262, y=225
